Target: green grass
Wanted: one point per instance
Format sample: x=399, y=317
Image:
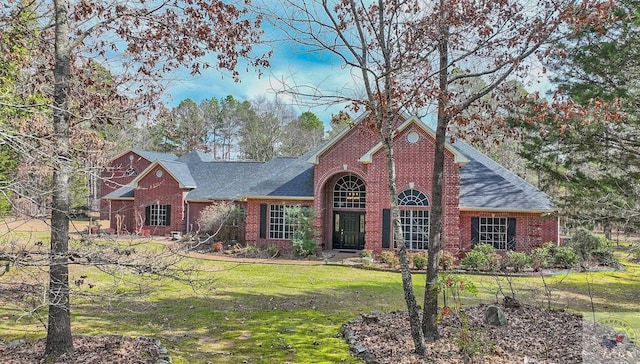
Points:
x=267, y=313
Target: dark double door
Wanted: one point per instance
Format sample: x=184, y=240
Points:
x=348, y=230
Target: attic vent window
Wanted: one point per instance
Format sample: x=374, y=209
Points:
x=159, y=173
x=413, y=137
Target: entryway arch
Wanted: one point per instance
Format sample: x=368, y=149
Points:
x=349, y=195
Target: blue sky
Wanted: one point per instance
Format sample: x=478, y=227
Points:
x=288, y=62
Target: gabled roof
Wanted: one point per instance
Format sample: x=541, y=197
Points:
x=150, y=156
x=486, y=185
x=178, y=170
x=459, y=158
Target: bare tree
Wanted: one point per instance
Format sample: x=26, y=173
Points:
x=143, y=41
x=404, y=54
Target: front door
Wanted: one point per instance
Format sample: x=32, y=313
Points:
x=348, y=230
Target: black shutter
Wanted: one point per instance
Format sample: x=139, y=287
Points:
x=475, y=231
x=263, y=221
x=167, y=221
x=386, y=228
x=511, y=233
x=147, y=215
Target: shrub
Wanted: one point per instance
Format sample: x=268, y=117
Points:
x=303, y=241
x=517, y=260
x=419, y=260
x=539, y=258
x=273, y=250
x=303, y=247
x=367, y=253
x=217, y=247
x=591, y=249
x=482, y=257
x=564, y=257
x=252, y=251
x=446, y=260
x=604, y=256
x=388, y=257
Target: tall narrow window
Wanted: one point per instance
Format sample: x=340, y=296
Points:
x=414, y=219
x=279, y=227
x=349, y=192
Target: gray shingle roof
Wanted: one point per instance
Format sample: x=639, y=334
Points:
x=154, y=156
x=485, y=184
x=180, y=171
x=122, y=192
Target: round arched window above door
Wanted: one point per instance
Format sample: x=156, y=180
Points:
x=349, y=192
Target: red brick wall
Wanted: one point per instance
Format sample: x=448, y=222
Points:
x=196, y=208
x=532, y=229
x=114, y=176
x=414, y=164
x=123, y=208
x=162, y=190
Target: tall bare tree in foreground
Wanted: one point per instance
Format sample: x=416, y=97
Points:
x=142, y=41
x=402, y=55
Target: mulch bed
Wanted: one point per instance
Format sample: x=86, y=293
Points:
x=89, y=349
x=533, y=335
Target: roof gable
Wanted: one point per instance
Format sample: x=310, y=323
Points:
x=150, y=156
x=459, y=158
x=178, y=170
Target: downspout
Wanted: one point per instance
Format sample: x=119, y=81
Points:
x=188, y=215
x=558, y=231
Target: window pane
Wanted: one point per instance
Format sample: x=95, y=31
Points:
x=493, y=230
x=349, y=192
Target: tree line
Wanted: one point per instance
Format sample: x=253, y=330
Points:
x=228, y=129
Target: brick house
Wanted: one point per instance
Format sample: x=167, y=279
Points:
x=344, y=180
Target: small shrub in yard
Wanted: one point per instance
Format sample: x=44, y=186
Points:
x=539, y=258
x=419, y=260
x=591, y=249
x=367, y=253
x=388, y=257
x=446, y=260
x=516, y=260
x=482, y=257
x=273, y=250
x=217, y=247
x=563, y=257
x=252, y=251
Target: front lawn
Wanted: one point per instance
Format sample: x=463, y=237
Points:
x=276, y=313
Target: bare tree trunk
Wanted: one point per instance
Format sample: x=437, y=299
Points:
x=59, y=321
x=407, y=283
x=430, y=315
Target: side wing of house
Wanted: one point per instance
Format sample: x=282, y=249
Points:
x=122, y=170
x=499, y=208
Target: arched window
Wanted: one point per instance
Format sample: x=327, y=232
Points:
x=414, y=218
x=349, y=192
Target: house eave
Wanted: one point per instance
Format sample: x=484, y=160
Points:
x=119, y=198
x=285, y=198
x=502, y=210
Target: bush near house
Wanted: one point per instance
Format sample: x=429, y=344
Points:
x=482, y=257
x=388, y=257
x=418, y=260
x=516, y=260
x=592, y=250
